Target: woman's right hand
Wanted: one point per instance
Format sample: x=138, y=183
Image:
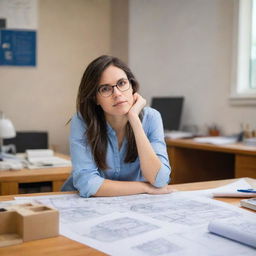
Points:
x=138, y=104
x=157, y=191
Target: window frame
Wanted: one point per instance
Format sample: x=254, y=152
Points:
x=241, y=93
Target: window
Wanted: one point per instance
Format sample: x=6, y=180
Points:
x=243, y=88
x=253, y=48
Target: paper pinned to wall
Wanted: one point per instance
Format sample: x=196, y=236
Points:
x=19, y=14
x=18, y=24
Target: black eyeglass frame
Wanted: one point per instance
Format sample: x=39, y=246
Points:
x=115, y=85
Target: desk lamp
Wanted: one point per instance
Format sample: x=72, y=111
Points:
x=6, y=130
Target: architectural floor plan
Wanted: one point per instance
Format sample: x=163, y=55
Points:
x=174, y=224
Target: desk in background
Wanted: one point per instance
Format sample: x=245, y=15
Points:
x=10, y=180
x=63, y=246
x=192, y=161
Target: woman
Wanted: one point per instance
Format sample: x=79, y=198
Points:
x=117, y=144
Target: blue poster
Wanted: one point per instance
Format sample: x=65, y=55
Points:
x=18, y=47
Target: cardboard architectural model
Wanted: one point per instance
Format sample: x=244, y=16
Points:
x=26, y=222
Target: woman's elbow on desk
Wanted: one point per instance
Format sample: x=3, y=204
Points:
x=163, y=177
x=86, y=184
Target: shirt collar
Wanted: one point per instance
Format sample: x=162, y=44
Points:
x=110, y=130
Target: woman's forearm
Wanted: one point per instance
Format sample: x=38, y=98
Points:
x=149, y=162
x=121, y=188
x=125, y=188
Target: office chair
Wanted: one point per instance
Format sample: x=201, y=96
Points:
x=28, y=140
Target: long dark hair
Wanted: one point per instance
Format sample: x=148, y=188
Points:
x=93, y=115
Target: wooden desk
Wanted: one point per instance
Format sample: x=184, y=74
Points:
x=192, y=161
x=63, y=246
x=10, y=180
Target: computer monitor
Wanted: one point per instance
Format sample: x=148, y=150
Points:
x=170, y=109
x=29, y=140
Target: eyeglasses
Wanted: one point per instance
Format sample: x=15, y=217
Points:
x=107, y=90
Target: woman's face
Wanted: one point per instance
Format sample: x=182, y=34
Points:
x=120, y=102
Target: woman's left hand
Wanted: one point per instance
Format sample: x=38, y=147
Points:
x=138, y=105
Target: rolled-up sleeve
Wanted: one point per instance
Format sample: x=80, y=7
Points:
x=86, y=176
x=156, y=138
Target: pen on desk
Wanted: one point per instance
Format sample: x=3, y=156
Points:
x=46, y=164
x=249, y=190
x=39, y=164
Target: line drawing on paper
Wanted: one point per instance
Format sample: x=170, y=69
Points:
x=157, y=247
x=176, y=211
x=77, y=214
x=120, y=228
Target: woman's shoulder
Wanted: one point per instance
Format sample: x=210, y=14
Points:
x=150, y=113
x=151, y=117
x=77, y=121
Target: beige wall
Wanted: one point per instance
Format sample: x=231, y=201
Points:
x=70, y=35
x=175, y=47
x=120, y=28
x=184, y=47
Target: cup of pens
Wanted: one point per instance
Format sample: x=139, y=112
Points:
x=213, y=130
x=249, y=135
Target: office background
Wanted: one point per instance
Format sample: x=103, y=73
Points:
x=174, y=47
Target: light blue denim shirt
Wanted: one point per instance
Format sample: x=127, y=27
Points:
x=87, y=178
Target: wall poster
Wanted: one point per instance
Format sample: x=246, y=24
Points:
x=18, y=25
